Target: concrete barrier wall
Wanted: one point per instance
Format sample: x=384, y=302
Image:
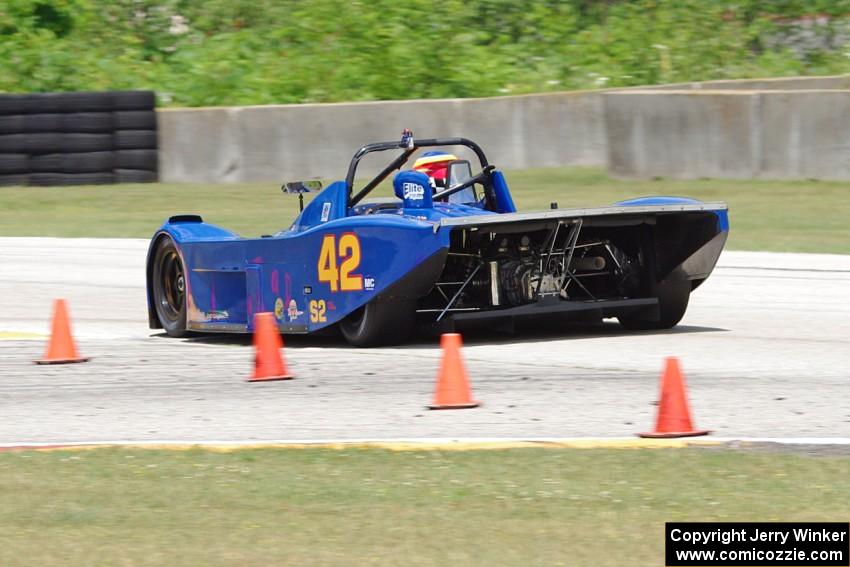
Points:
x=770, y=128
x=804, y=135
x=681, y=134
x=274, y=143
x=729, y=134
x=834, y=82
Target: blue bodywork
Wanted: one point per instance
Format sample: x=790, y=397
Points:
x=339, y=255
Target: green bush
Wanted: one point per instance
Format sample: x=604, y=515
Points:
x=223, y=52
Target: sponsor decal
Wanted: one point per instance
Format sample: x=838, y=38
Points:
x=292, y=310
x=308, y=290
x=326, y=211
x=278, y=308
x=214, y=315
x=413, y=191
x=369, y=283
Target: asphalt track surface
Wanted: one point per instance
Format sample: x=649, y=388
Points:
x=765, y=347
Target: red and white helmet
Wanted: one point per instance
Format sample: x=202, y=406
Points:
x=434, y=165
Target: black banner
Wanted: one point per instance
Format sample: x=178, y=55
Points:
x=757, y=544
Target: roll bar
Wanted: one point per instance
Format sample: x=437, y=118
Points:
x=409, y=145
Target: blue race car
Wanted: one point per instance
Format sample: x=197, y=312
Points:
x=449, y=251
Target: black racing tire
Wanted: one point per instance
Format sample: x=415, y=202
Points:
x=87, y=142
x=14, y=180
x=168, y=287
x=136, y=159
x=135, y=176
x=135, y=140
x=133, y=100
x=87, y=122
x=134, y=120
x=14, y=163
x=673, y=299
x=379, y=323
x=13, y=124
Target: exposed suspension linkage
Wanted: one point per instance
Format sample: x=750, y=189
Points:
x=572, y=240
x=457, y=295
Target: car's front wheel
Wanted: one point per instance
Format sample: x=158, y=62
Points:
x=169, y=289
x=379, y=323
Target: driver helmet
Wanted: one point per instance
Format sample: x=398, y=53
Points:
x=434, y=165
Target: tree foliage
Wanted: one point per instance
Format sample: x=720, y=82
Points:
x=234, y=52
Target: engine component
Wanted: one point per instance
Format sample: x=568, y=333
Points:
x=520, y=279
x=626, y=271
x=514, y=279
x=588, y=263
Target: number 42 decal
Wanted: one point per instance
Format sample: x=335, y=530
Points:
x=338, y=259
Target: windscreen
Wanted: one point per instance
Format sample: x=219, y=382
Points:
x=460, y=171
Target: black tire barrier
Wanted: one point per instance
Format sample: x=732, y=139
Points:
x=134, y=120
x=45, y=179
x=44, y=143
x=13, y=124
x=73, y=143
x=133, y=100
x=42, y=123
x=92, y=162
x=14, y=163
x=78, y=138
x=50, y=179
x=72, y=102
x=88, y=179
x=14, y=180
x=134, y=176
x=15, y=104
x=47, y=163
x=87, y=122
x=135, y=140
x=46, y=103
x=136, y=159
x=14, y=144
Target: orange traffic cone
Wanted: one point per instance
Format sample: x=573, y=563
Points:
x=674, y=418
x=268, y=361
x=452, y=384
x=61, y=348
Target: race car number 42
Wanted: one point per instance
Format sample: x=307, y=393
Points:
x=338, y=259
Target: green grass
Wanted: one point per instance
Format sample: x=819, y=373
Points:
x=377, y=507
x=794, y=216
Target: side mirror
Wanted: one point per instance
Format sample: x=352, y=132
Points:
x=301, y=187
x=298, y=187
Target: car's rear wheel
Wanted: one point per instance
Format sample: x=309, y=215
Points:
x=169, y=289
x=379, y=323
x=672, y=303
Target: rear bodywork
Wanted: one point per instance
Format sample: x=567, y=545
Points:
x=460, y=263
